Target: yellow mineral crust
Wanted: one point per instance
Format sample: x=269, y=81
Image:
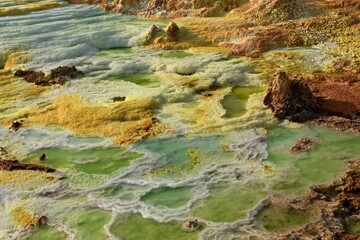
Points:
x=14, y=91
x=26, y=8
x=22, y=217
x=27, y=180
x=16, y=60
x=127, y=121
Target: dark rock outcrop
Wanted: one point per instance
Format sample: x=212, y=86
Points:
x=339, y=123
x=9, y=163
x=58, y=75
x=173, y=31
x=303, y=145
x=13, y=165
x=70, y=72
x=15, y=125
x=338, y=204
x=30, y=75
x=290, y=98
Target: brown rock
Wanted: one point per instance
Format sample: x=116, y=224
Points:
x=152, y=31
x=164, y=8
x=303, y=145
x=255, y=42
x=58, y=75
x=13, y=165
x=335, y=205
x=42, y=157
x=339, y=123
x=337, y=95
x=173, y=31
x=70, y=72
x=15, y=125
x=30, y=75
x=291, y=99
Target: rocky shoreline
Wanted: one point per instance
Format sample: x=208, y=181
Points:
x=337, y=204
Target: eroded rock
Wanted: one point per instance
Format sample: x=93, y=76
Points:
x=59, y=75
x=290, y=98
x=30, y=75
x=15, y=125
x=70, y=72
x=338, y=203
x=303, y=145
x=339, y=123
x=13, y=165
x=173, y=30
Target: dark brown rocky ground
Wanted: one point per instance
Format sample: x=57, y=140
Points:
x=303, y=145
x=337, y=204
x=59, y=75
x=326, y=100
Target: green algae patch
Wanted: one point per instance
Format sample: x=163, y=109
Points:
x=229, y=204
x=91, y=161
x=133, y=227
x=353, y=227
x=89, y=223
x=274, y=218
x=142, y=79
x=168, y=197
x=235, y=102
x=322, y=164
x=46, y=232
x=176, y=54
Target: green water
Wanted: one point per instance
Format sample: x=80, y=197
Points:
x=274, y=218
x=235, y=102
x=175, y=149
x=142, y=79
x=168, y=197
x=324, y=163
x=229, y=203
x=176, y=54
x=91, y=161
x=177, y=152
x=134, y=227
x=46, y=232
x=89, y=223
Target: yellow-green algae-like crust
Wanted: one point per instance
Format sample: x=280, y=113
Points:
x=25, y=7
x=127, y=121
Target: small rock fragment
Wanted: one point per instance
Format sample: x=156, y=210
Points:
x=15, y=125
x=42, y=157
x=303, y=145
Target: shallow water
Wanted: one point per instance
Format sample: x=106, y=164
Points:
x=235, y=102
x=218, y=161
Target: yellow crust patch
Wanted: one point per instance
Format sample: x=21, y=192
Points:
x=27, y=180
x=27, y=8
x=127, y=121
x=15, y=59
x=22, y=217
x=13, y=91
